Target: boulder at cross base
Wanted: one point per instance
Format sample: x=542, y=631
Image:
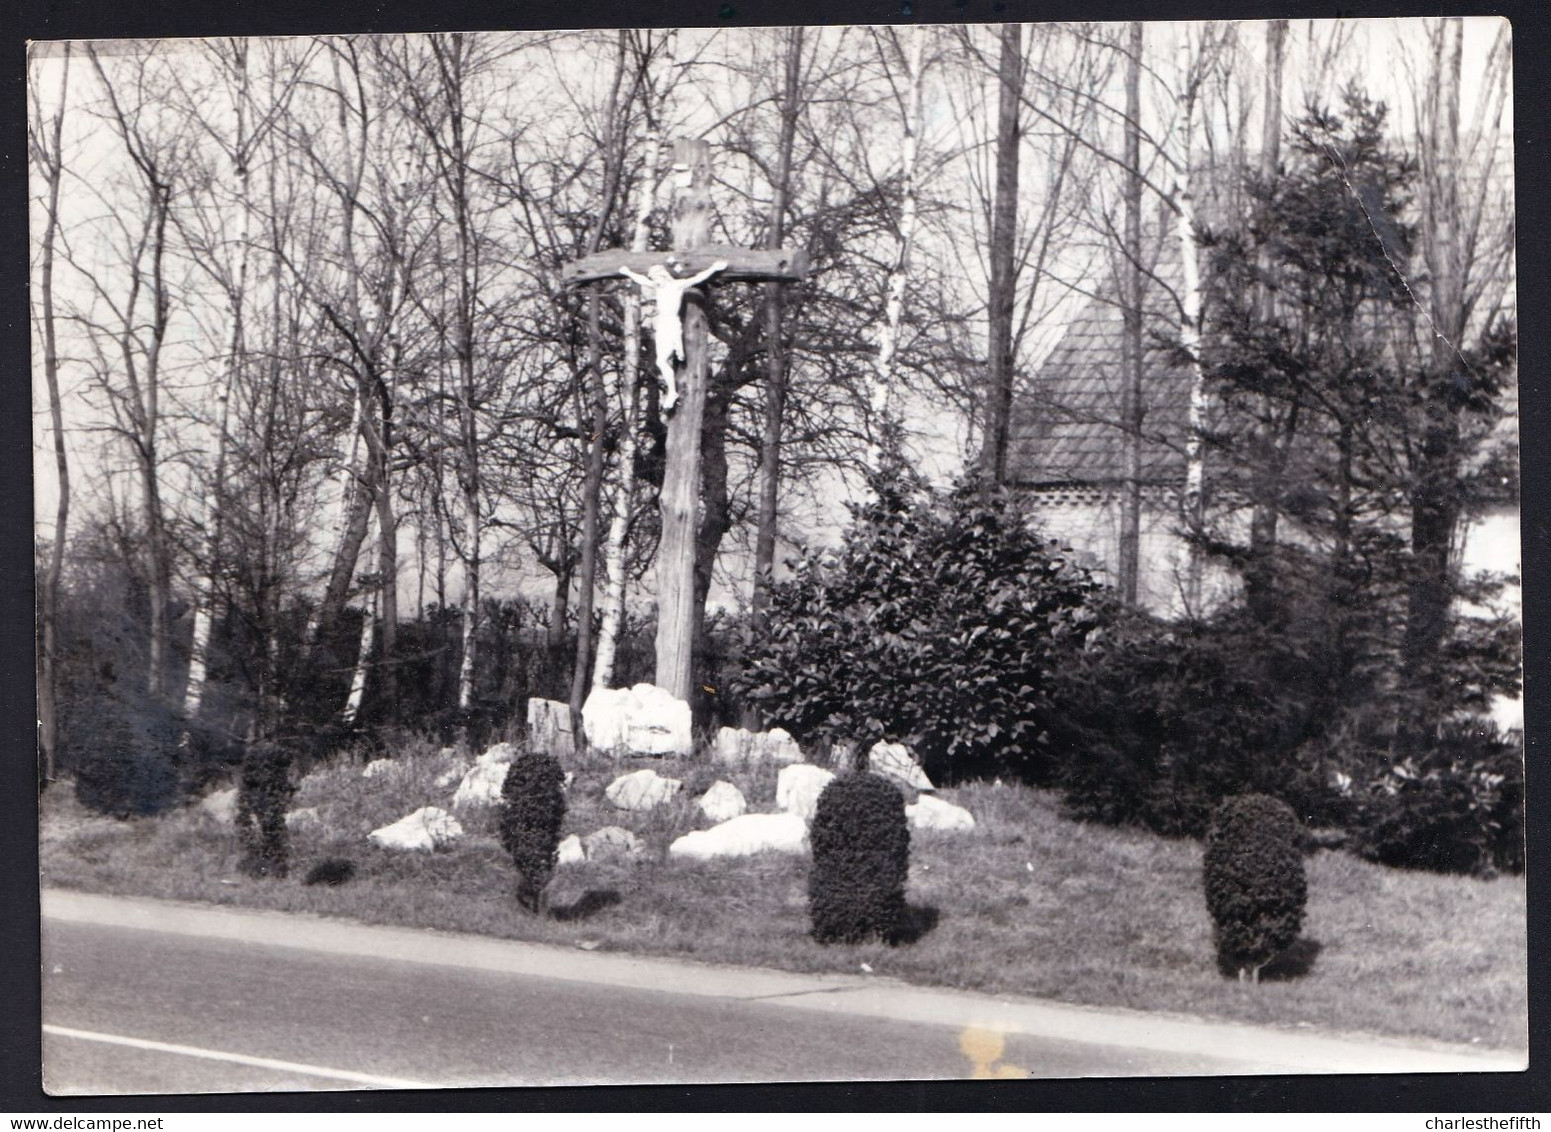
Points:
x=481, y=786
x=643, y=720
x=549, y=727
x=220, y=805
x=304, y=818
x=737, y=747
x=571, y=852
x=426, y=829
x=611, y=843
x=641, y=790
x=722, y=802
x=498, y=754
x=377, y=767
x=743, y=837
x=895, y=762
x=935, y=814
x=798, y=788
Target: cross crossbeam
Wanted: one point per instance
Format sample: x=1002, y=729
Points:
x=744, y=265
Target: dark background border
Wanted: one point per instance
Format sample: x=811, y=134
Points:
x=20, y=1037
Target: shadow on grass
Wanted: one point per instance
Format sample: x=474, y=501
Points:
x=919, y=919
x=585, y=906
x=1294, y=963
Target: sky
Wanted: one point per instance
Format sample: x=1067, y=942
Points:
x=1389, y=53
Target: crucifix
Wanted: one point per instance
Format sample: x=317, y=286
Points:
x=680, y=338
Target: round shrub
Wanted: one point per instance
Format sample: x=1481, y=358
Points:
x=532, y=812
x=861, y=856
x=264, y=791
x=1255, y=885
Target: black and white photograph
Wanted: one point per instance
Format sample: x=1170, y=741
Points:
x=856, y=552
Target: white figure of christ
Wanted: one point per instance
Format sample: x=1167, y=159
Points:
x=668, y=330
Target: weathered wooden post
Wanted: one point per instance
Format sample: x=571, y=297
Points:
x=693, y=254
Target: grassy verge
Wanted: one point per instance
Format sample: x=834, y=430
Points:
x=1029, y=903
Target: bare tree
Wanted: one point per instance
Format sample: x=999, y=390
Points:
x=45, y=148
x=138, y=302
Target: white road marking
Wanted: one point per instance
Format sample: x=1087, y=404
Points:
x=237, y=1058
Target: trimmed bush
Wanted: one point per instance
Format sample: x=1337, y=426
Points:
x=861, y=857
x=264, y=792
x=1255, y=885
x=532, y=812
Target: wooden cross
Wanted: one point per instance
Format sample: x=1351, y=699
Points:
x=692, y=254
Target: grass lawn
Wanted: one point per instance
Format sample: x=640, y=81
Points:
x=1030, y=902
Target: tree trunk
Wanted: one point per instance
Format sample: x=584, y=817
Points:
x=355, y=507
x=363, y=658
x=205, y=602
x=1259, y=581
x=1131, y=354
x=681, y=479
x=48, y=652
x=775, y=345
x=597, y=390
x=629, y=388
x=1193, y=502
x=899, y=271
x=592, y=490
x=1435, y=497
x=1003, y=283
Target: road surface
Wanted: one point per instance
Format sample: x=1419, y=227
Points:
x=140, y=997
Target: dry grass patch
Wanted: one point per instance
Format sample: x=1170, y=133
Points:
x=1030, y=902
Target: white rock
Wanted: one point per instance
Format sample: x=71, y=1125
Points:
x=612, y=842
x=894, y=760
x=499, y=754
x=481, y=786
x=798, y=788
x=426, y=829
x=743, y=837
x=738, y=747
x=451, y=775
x=304, y=818
x=571, y=852
x=377, y=767
x=643, y=720
x=722, y=802
x=935, y=814
x=549, y=727
x=220, y=805
x=641, y=790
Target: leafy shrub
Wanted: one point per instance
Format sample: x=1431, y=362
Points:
x=1155, y=724
x=127, y=763
x=938, y=623
x=1254, y=880
x=1460, y=810
x=861, y=857
x=532, y=812
x=264, y=791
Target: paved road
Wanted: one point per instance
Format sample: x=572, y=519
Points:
x=385, y=1022
x=143, y=997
